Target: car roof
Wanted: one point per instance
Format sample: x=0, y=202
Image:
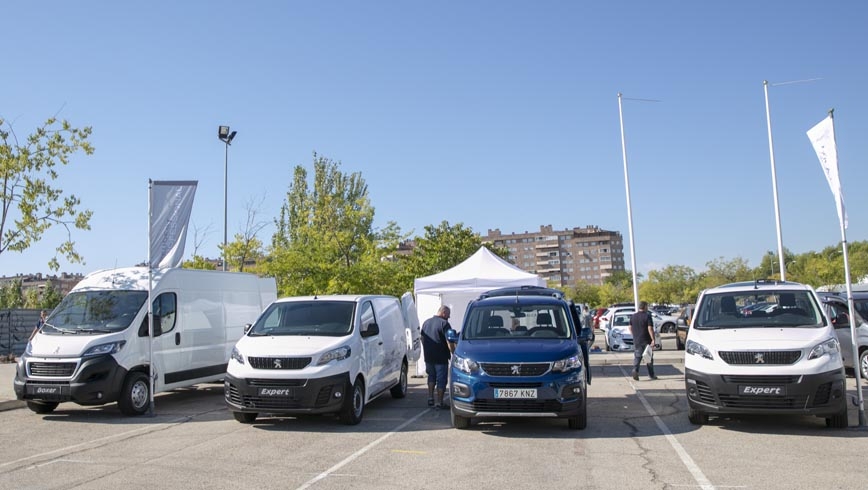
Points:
x=519, y=299
x=842, y=295
x=758, y=285
x=523, y=291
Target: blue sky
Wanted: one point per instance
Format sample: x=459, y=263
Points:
x=494, y=114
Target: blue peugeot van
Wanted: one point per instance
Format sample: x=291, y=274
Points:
x=520, y=353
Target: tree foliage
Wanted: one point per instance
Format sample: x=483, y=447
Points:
x=31, y=202
x=444, y=246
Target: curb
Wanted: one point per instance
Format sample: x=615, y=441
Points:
x=11, y=405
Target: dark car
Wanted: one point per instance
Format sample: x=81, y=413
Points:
x=520, y=354
x=682, y=325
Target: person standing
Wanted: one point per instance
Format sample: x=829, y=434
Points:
x=642, y=327
x=437, y=351
x=39, y=323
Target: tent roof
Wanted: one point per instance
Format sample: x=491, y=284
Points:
x=480, y=272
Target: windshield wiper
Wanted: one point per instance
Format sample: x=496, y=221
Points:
x=61, y=330
x=94, y=330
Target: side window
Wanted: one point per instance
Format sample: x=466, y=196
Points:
x=165, y=307
x=838, y=313
x=367, y=315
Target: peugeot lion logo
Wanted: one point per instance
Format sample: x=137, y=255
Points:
x=277, y=364
x=515, y=369
x=758, y=358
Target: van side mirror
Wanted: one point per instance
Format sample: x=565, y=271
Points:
x=370, y=330
x=247, y=328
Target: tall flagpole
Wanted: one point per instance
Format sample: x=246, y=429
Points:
x=629, y=207
x=150, y=304
x=775, y=185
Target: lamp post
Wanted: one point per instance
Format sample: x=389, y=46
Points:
x=225, y=136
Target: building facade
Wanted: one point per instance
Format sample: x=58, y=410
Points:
x=564, y=257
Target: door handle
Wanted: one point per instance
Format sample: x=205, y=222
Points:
x=177, y=338
x=380, y=343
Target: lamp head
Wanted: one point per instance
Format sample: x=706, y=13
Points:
x=223, y=132
x=231, y=137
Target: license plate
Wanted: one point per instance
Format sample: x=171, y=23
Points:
x=276, y=392
x=45, y=390
x=525, y=393
x=762, y=390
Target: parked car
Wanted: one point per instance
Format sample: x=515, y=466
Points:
x=536, y=369
x=787, y=362
x=619, y=336
x=837, y=309
x=664, y=323
x=321, y=355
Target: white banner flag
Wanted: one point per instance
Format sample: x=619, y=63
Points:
x=822, y=136
x=170, y=208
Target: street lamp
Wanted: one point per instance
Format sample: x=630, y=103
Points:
x=225, y=136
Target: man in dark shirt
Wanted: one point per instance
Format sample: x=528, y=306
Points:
x=437, y=351
x=642, y=327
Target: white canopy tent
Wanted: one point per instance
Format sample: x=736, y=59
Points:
x=457, y=286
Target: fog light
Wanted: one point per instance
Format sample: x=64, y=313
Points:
x=577, y=389
x=338, y=394
x=99, y=395
x=461, y=390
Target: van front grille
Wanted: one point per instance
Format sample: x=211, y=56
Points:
x=759, y=358
x=279, y=362
x=52, y=369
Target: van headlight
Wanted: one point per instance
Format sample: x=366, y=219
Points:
x=102, y=349
x=572, y=362
x=698, y=349
x=465, y=365
x=826, y=347
x=616, y=333
x=28, y=351
x=236, y=355
x=338, y=354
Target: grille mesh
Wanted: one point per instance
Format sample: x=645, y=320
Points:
x=767, y=357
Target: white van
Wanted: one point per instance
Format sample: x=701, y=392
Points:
x=322, y=354
x=763, y=347
x=93, y=349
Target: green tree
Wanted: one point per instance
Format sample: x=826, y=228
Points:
x=445, y=246
x=31, y=202
x=11, y=295
x=199, y=262
x=674, y=284
x=51, y=297
x=583, y=292
x=325, y=241
x=32, y=298
x=721, y=271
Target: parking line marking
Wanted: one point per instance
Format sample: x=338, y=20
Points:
x=349, y=459
x=692, y=467
x=407, y=451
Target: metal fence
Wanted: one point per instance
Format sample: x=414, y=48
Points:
x=16, y=325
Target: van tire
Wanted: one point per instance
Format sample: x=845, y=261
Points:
x=839, y=420
x=697, y=417
x=245, y=417
x=400, y=389
x=354, y=405
x=135, y=395
x=42, y=407
x=863, y=364
x=458, y=421
x=580, y=421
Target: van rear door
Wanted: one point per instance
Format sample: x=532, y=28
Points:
x=412, y=330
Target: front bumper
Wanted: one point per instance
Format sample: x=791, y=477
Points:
x=822, y=394
x=557, y=395
x=89, y=381
x=286, y=396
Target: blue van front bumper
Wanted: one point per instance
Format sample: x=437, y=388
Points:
x=549, y=395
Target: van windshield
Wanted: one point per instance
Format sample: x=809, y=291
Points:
x=751, y=309
x=527, y=321
x=95, y=312
x=317, y=318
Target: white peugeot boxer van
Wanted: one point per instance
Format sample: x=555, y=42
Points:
x=322, y=354
x=763, y=347
x=93, y=349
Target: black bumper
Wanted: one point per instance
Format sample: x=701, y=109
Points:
x=821, y=394
x=97, y=381
x=286, y=396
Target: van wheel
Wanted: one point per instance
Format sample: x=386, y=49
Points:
x=354, y=405
x=697, y=417
x=245, y=417
x=458, y=421
x=400, y=389
x=135, y=395
x=863, y=364
x=839, y=420
x=580, y=421
x=42, y=407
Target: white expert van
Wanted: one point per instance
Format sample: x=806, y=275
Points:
x=763, y=347
x=94, y=350
x=322, y=354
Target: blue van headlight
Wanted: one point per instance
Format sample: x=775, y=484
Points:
x=570, y=363
x=465, y=365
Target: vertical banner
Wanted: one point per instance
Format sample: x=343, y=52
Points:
x=171, y=205
x=822, y=137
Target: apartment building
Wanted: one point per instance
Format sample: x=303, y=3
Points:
x=564, y=257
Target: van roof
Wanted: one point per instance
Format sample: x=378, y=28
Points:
x=333, y=297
